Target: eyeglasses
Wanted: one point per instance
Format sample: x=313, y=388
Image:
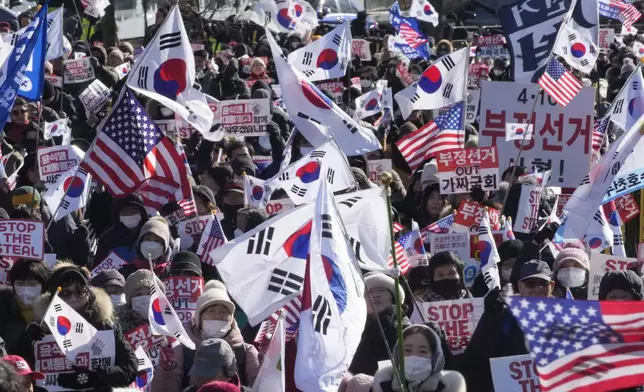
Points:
x=79, y=293
x=534, y=283
x=19, y=112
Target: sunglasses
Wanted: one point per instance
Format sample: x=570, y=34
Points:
x=79, y=293
x=534, y=283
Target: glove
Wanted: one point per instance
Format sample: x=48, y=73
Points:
x=94, y=61
x=35, y=332
x=493, y=301
x=81, y=378
x=547, y=233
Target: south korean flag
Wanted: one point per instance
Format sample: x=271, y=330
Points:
x=69, y=328
x=578, y=40
x=442, y=84
x=326, y=58
x=373, y=102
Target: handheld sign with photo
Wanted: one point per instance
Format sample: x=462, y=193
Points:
x=95, y=96
x=243, y=117
x=183, y=292
x=458, y=319
x=78, y=71
x=460, y=171
x=50, y=360
x=112, y=261
x=600, y=264
x=517, y=373
x=20, y=238
x=54, y=161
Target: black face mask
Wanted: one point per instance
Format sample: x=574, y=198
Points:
x=447, y=288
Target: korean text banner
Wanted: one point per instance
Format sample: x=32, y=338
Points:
x=562, y=136
x=530, y=27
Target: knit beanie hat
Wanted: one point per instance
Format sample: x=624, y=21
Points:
x=157, y=226
x=109, y=277
x=575, y=254
x=25, y=195
x=509, y=249
x=214, y=293
x=118, y=54
x=185, y=261
x=379, y=280
x=138, y=279
x=219, y=386
x=359, y=383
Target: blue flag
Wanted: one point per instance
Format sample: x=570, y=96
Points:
x=409, y=40
x=16, y=64
x=34, y=79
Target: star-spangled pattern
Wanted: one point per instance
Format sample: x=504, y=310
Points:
x=401, y=257
x=215, y=239
x=452, y=119
x=559, y=83
x=443, y=225
x=599, y=131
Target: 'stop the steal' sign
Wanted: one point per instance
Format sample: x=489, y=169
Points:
x=22, y=239
x=460, y=171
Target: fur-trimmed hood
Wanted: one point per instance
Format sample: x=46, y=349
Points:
x=129, y=319
x=444, y=381
x=99, y=311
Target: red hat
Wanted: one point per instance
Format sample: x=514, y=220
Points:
x=22, y=367
x=219, y=386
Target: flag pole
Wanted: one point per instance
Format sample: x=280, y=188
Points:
x=261, y=366
x=386, y=179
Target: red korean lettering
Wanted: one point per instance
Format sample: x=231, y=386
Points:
x=554, y=128
x=582, y=128
x=494, y=126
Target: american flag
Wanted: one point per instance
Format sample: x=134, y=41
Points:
x=406, y=253
x=583, y=345
x=559, y=83
x=131, y=155
x=444, y=133
x=627, y=12
x=599, y=130
x=213, y=236
x=292, y=312
x=443, y=225
x=412, y=37
x=398, y=227
x=188, y=206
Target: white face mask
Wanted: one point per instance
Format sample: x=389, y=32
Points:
x=365, y=83
x=166, y=112
x=130, y=221
x=117, y=299
x=154, y=249
x=571, y=277
x=141, y=305
x=28, y=294
x=306, y=150
x=238, y=233
x=417, y=368
x=214, y=328
x=506, y=273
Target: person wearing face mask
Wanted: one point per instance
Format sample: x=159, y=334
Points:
x=154, y=245
x=20, y=125
x=228, y=85
x=508, y=253
x=445, y=280
x=258, y=72
x=95, y=306
x=381, y=307
x=129, y=215
x=112, y=282
x=424, y=365
x=570, y=270
x=27, y=279
x=232, y=201
x=134, y=312
x=214, y=362
x=621, y=286
x=213, y=318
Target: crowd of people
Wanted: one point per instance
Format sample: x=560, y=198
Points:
x=234, y=61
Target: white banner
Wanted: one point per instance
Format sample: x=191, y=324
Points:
x=562, y=136
x=243, y=117
x=95, y=96
x=78, y=71
x=606, y=37
x=517, y=373
x=361, y=48
x=528, y=209
x=377, y=167
x=22, y=238
x=599, y=265
x=54, y=161
x=277, y=206
x=460, y=171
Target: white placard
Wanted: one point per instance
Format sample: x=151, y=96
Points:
x=190, y=231
x=472, y=107
x=361, y=48
x=458, y=243
x=243, y=117
x=528, y=209
x=112, y=261
x=54, y=161
x=277, y=206
x=562, y=136
x=377, y=167
x=599, y=265
x=517, y=373
x=21, y=238
x=606, y=37
x=95, y=96
x=78, y=71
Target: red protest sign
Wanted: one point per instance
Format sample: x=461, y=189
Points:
x=182, y=292
x=469, y=214
x=460, y=171
x=458, y=319
x=627, y=207
x=152, y=344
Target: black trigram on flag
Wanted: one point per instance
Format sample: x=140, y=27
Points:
x=309, y=118
x=585, y=181
x=318, y=154
x=327, y=226
x=584, y=62
x=308, y=72
x=483, y=230
x=67, y=343
x=618, y=240
x=142, y=80
x=153, y=289
x=14, y=39
x=308, y=57
x=356, y=246
x=168, y=310
x=284, y=176
x=170, y=40
x=572, y=37
x=298, y=190
x=140, y=361
x=351, y=201
x=592, y=49
x=284, y=282
x=321, y=314
x=64, y=204
x=260, y=243
x=447, y=91
x=448, y=63
x=415, y=98
x=636, y=85
x=58, y=308
x=329, y=175
x=49, y=23
x=337, y=39
x=619, y=105
x=350, y=127
x=177, y=334
x=47, y=47
x=79, y=327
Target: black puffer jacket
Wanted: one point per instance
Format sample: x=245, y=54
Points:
x=372, y=349
x=228, y=85
x=10, y=332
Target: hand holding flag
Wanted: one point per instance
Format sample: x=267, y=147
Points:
x=164, y=320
